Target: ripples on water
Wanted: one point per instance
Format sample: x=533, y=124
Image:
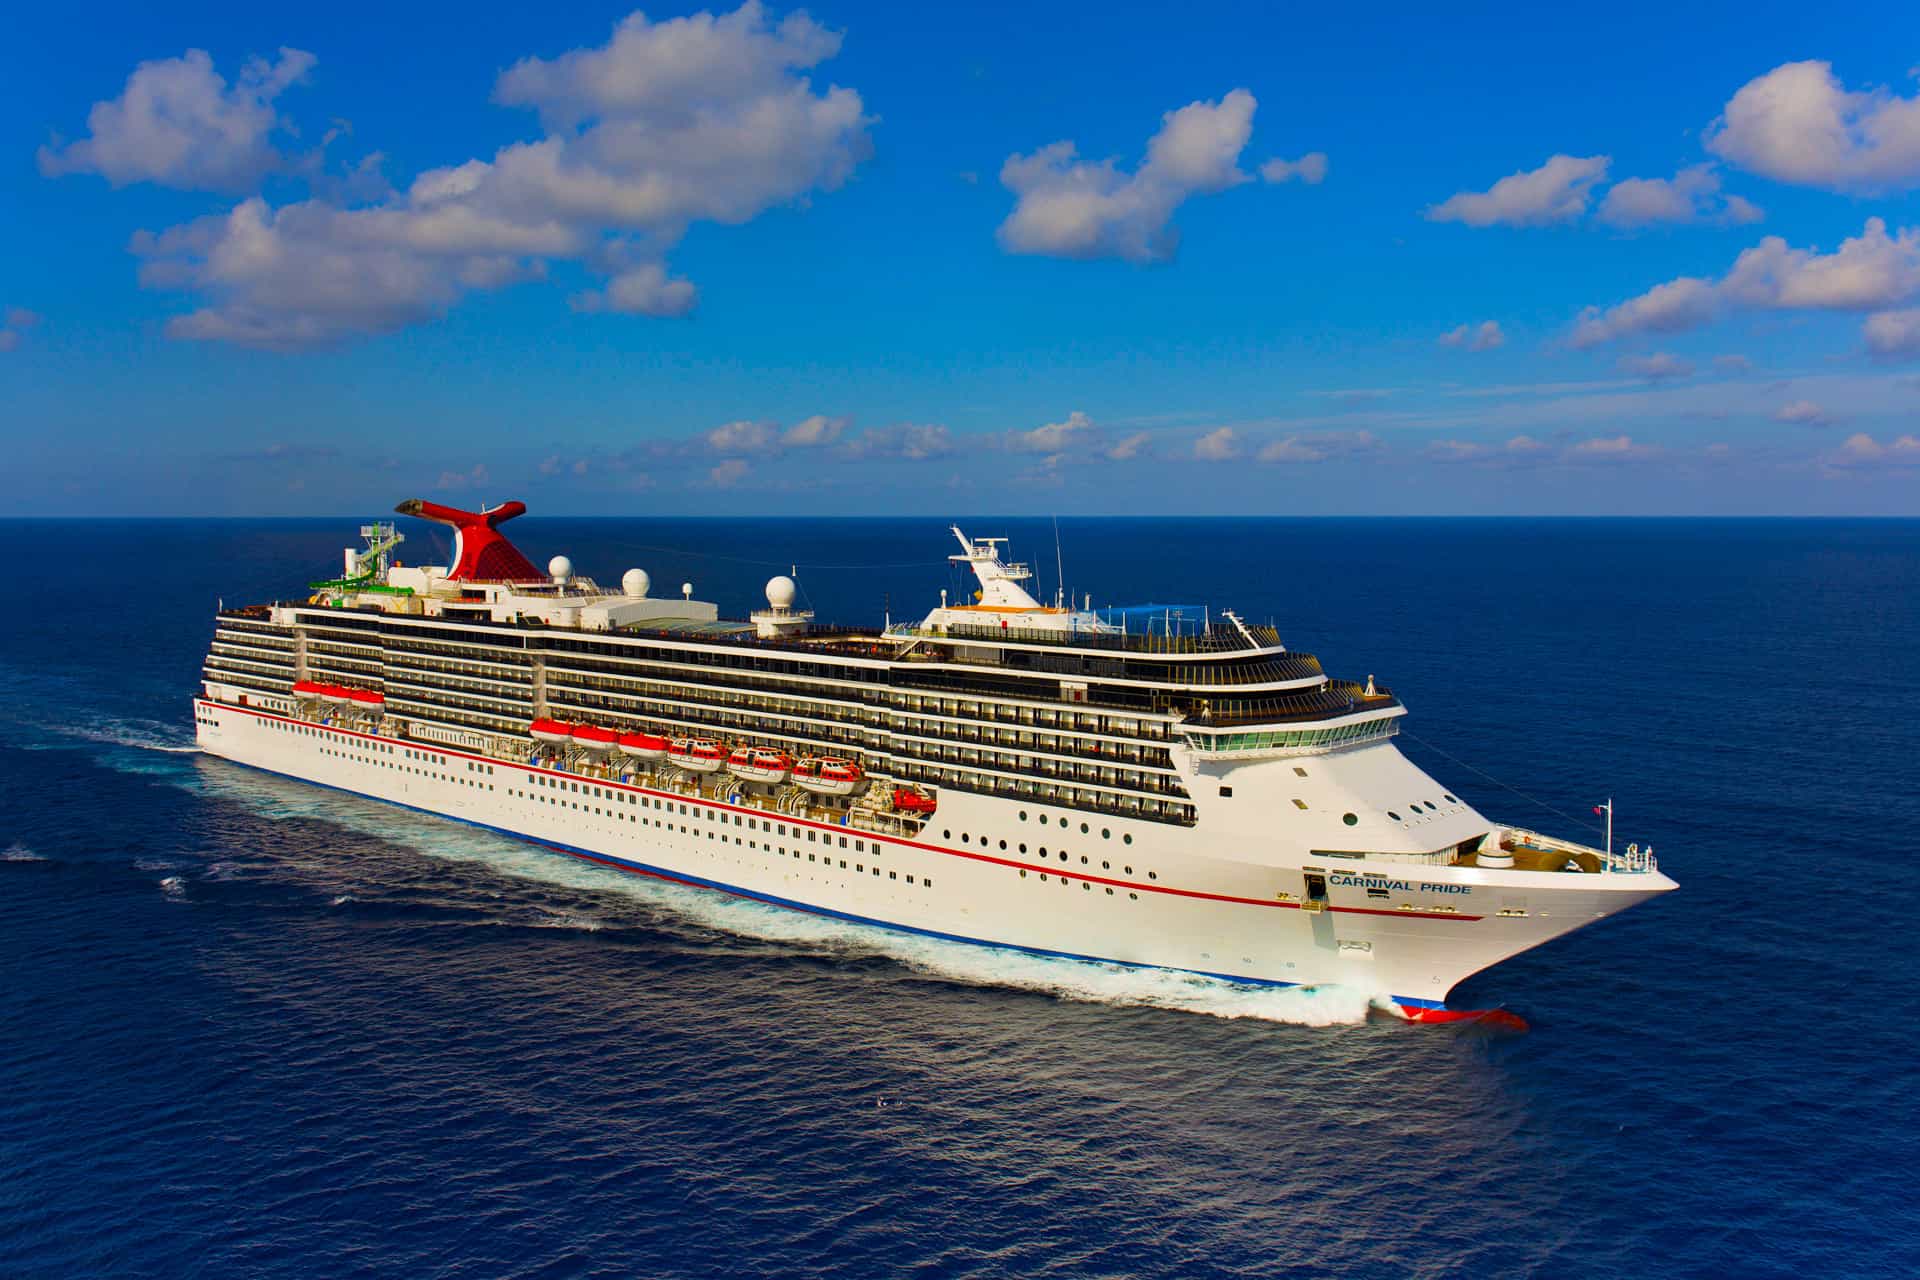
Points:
x=257, y=1029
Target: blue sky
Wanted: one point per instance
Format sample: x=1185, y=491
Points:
x=837, y=260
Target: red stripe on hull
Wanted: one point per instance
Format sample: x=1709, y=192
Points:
x=1498, y=1019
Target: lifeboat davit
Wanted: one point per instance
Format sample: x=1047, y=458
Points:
x=554, y=731
x=827, y=776
x=906, y=800
x=700, y=755
x=643, y=746
x=591, y=737
x=759, y=764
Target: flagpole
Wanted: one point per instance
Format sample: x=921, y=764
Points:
x=1609, y=833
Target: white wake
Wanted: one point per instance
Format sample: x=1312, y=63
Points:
x=1083, y=981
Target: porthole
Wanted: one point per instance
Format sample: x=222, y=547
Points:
x=1023, y=815
x=1153, y=875
x=964, y=839
x=1393, y=815
x=1023, y=874
x=1106, y=866
x=1043, y=851
x=1129, y=870
x=1003, y=844
x=1126, y=839
x=1023, y=848
x=1350, y=819
x=1063, y=822
x=1063, y=855
x=1105, y=834
x=1043, y=875
x=1449, y=799
x=946, y=835
x=1084, y=828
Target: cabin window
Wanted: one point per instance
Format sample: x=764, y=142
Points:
x=1349, y=819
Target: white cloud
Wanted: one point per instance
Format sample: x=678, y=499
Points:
x=1484, y=336
x=1799, y=124
x=1733, y=364
x=1657, y=367
x=1128, y=448
x=701, y=118
x=1067, y=207
x=1868, y=271
x=1555, y=192
x=907, y=442
x=1318, y=446
x=17, y=320
x=1222, y=444
x=1691, y=195
x=727, y=473
x=741, y=437
x=1667, y=308
x=1871, y=271
x=1515, y=450
x=464, y=479
x=1310, y=168
x=815, y=432
x=179, y=124
x=1892, y=334
x=1054, y=437
x=1803, y=413
x=643, y=290
x=1620, y=448
x=1862, y=450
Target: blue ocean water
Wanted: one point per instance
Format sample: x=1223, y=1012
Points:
x=257, y=1029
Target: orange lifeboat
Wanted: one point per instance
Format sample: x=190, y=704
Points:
x=697, y=755
x=551, y=731
x=759, y=764
x=828, y=776
x=643, y=746
x=591, y=737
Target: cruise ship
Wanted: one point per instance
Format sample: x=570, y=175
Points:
x=1145, y=786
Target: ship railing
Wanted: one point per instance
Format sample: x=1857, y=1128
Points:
x=1339, y=697
x=1633, y=860
x=1219, y=638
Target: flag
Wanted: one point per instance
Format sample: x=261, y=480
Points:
x=1598, y=810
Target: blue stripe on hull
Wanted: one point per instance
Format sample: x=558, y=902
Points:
x=677, y=877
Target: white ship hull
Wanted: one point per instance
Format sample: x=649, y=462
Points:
x=1207, y=899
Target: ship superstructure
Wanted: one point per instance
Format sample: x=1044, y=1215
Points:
x=1156, y=786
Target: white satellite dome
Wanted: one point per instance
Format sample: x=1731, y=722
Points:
x=781, y=591
x=560, y=568
x=634, y=583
